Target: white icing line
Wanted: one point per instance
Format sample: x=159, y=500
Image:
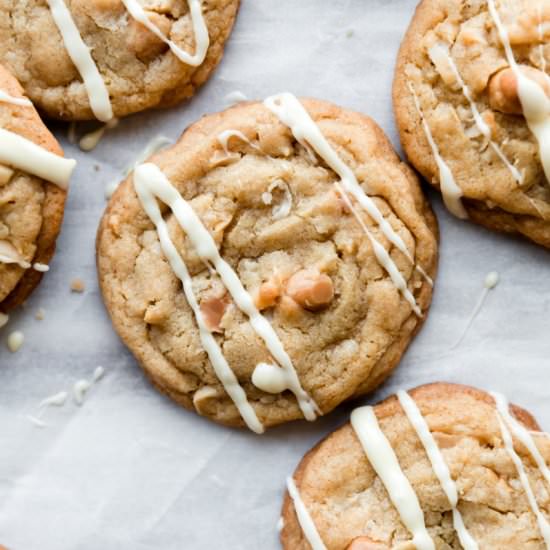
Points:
x=304, y=519
x=478, y=119
x=25, y=155
x=80, y=389
x=534, y=101
x=150, y=182
x=99, y=373
x=543, y=524
x=56, y=400
x=522, y=434
x=234, y=97
x=450, y=190
x=200, y=30
x=491, y=281
x=36, y=421
x=21, y=101
x=386, y=465
x=292, y=113
x=439, y=466
x=82, y=58
x=91, y=140
x=226, y=135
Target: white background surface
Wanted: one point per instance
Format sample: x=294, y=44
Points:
x=130, y=470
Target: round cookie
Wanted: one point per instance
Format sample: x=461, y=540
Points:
x=306, y=303
x=471, y=102
x=31, y=208
x=136, y=67
x=479, y=446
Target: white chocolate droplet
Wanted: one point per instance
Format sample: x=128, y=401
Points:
x=99, y=373
x=15, y=341
x=269, y=378
x=56, y=400
x=88, y=142
x=492, y=280
x=80, y=389
x=21, y=101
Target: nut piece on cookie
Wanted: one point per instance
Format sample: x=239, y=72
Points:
x=503, y=89
x=310, y=289
x=213, y=309
x=143, y=42
x=364, y=543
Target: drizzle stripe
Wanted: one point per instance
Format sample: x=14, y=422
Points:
x=304, y=519
x=384, y=461
x=439, y=466
x=200, y=30
x=21, y=101
x=25, y=155
x=82, y=58
x=148, y=182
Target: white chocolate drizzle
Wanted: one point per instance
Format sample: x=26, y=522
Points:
x=533, y=98
x=386, y=465
x=150, y=183
x=491, y=281
x=304, y=519
x=25, y=155
x=540, y=30
x=451, y=192
x=91, y=140
x=291, y=112
x=20, y=101
x=57, y=400
x=202, y=40
x=82, y=58
x=542, y=522
x=439, y=466
x=226, y=135
x=478, y=119
x=234, y=97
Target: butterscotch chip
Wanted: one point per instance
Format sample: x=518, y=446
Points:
x=310, y=269
x=455, y=85
x=139, y=69
x=31, y=209
x=350, y=506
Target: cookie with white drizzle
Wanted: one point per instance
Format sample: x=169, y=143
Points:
x=472, y=102
x=99, y=59
x=442, y=466
x=273, y=263
x=34, y=178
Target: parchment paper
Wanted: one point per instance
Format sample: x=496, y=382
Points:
x=129, y=470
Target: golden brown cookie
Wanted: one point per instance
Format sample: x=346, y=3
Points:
x=137, y=68
x=471, y=98
x=492, y=456
x=31, y=208
x=306, y=303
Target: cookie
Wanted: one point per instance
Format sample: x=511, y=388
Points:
x=33, y=181
x=471, y=97
x=284, y=268
x=86, y=59
x=440, y=467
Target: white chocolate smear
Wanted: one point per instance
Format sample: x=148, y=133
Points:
x=439, y=466
x=99, y=373
x=226, y=135
x=282, y=210
x=156, y=144
x=386, y=465
x=4, y=318
x=10, y=255
x=40, y=314
x=56, y=400
x=543, y=524
x=519, y=431
x=202, y=40
x=304, y=519
x=25, y=155
x=149, y=183
x=478, y=119
x=21, y=101
x=291, y=112
x=89, y=141
x=15, y=341
x=491, y=281
x=80, y=389
x=82, y=58
x=232, y=98
x=533, y=98
x=450, y=190
x=43, y=268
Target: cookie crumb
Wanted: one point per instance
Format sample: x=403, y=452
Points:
x=15, y=341
x=350, y=33
x=78, y=285
x=40, y=314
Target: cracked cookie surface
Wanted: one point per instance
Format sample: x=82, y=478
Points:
x=492, y=154
x=351, y=508
x=31, y=209
x=138, y=69
x=270, y=205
